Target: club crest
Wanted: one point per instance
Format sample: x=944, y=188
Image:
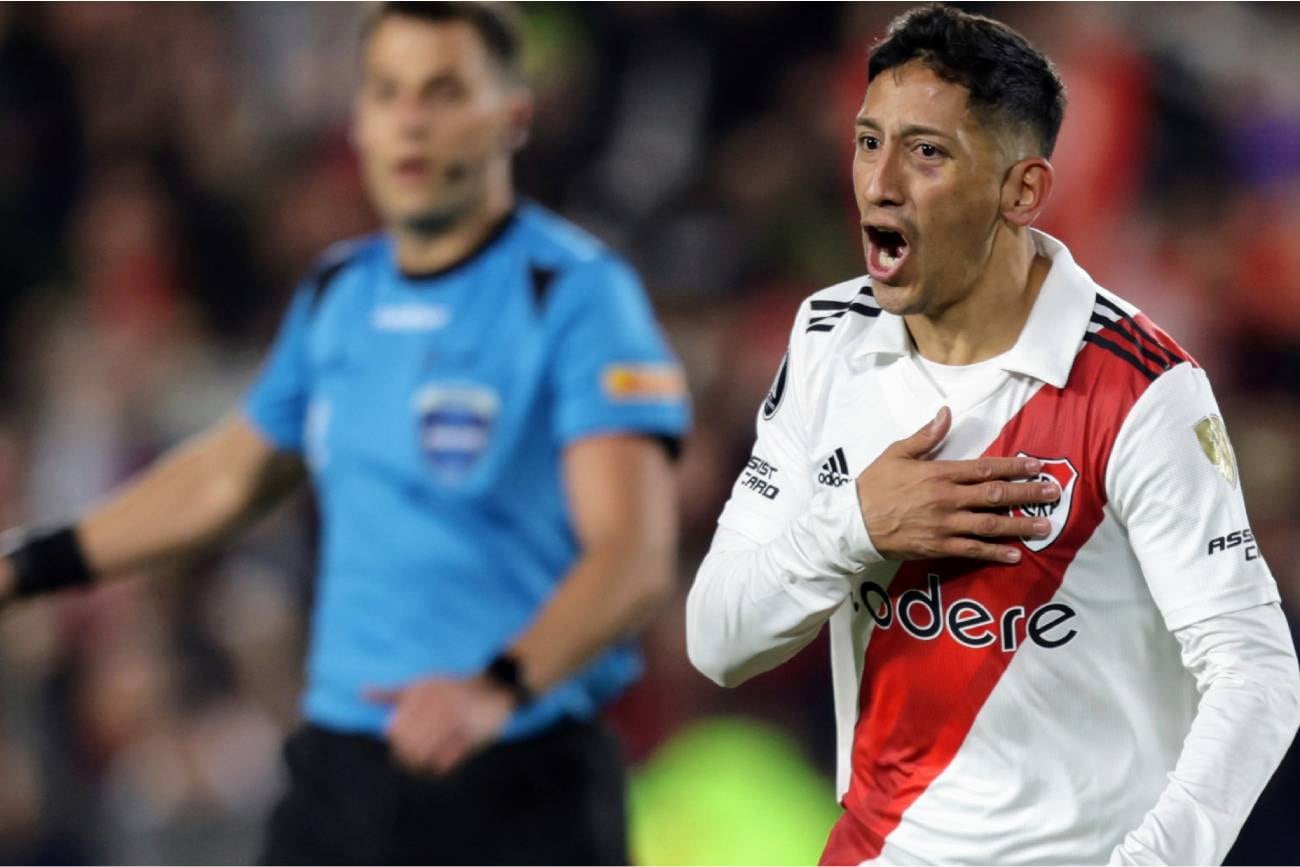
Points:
x=1063, y=473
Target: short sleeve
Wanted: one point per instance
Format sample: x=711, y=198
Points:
x=612, y=370
x=276, y=403
x=1173, y=481
x=774, y=488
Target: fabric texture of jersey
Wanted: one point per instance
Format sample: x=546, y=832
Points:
x=1008, y=713
x=432, y=412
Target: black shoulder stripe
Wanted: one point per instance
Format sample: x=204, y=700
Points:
x=1140, y=333
x=829, y=320
x=541, y=279
x=834, y=310
x=1119, y=352
x=321, y=280
x=1113, y=330
x=821, y=304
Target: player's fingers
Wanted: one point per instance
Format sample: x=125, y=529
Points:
x=925, y=440
x=989, y=469
x=998, y=526
x=1000, y=494
x=974, y=549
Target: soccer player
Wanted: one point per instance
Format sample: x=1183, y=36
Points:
x=486, y=409
x=1012, y=496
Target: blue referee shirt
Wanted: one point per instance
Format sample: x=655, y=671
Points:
x=432, y=411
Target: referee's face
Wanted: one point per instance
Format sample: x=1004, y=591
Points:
x=927, y=177
x=435, y=121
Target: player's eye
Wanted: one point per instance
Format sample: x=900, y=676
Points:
x=383, y=91
x=446, y=89
x=928, y=151
x=868, y=142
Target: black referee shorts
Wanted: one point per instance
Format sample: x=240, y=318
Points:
x=555, y=798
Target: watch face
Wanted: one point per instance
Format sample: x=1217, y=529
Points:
x=505, y=671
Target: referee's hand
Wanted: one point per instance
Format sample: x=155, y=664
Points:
x=438, y=723
x=915, y=508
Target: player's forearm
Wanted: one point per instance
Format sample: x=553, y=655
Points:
x=754, y=606
x=610, y=593
x=1245, y=666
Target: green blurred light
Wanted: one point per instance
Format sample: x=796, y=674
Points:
x=729, y=791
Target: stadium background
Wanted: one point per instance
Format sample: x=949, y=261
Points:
x=167, y=172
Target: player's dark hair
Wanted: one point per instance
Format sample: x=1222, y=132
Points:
x=1008, y=79
x=497, y=24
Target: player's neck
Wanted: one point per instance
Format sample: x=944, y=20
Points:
x=425, y=252
x=988, y=320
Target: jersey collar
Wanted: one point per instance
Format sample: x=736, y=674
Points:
x=1050, y=339
x=495, y=234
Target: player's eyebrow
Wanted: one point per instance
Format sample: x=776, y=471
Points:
x=910, y=130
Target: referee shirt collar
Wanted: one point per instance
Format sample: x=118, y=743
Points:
x=1050, y=339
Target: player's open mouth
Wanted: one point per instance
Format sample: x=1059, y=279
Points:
x=887, y=250
x=412, y=169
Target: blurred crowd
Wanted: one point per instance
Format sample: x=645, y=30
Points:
x=167, y=172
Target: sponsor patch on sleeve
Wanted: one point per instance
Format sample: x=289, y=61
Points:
x=760, y=477
x=644, y=382
x=772, y=402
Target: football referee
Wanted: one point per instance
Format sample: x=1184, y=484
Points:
x=486, y=410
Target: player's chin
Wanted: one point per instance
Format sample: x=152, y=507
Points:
x=422, y=214
x=901, y=296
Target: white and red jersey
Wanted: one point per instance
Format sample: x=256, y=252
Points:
x=991, y=713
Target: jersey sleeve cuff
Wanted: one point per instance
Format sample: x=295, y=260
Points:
x=843, y=505
x=282, y=441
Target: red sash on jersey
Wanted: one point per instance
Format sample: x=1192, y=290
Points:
x=919, y=698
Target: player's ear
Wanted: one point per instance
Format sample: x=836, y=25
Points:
x=1025, y=190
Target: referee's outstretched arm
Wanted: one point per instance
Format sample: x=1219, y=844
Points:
x=196, y=495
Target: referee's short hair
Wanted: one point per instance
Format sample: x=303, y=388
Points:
x=497, y=24
x=1008, y=79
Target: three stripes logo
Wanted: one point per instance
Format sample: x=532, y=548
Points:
x=835, y=471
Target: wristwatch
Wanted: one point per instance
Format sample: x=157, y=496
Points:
x=505, y=671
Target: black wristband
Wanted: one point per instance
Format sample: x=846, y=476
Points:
x=48, y=560
x=505, y=671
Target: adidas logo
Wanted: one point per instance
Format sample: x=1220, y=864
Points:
x=835, y=470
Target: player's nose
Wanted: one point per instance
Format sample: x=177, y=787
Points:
x=883, y=182
x=413, y=121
